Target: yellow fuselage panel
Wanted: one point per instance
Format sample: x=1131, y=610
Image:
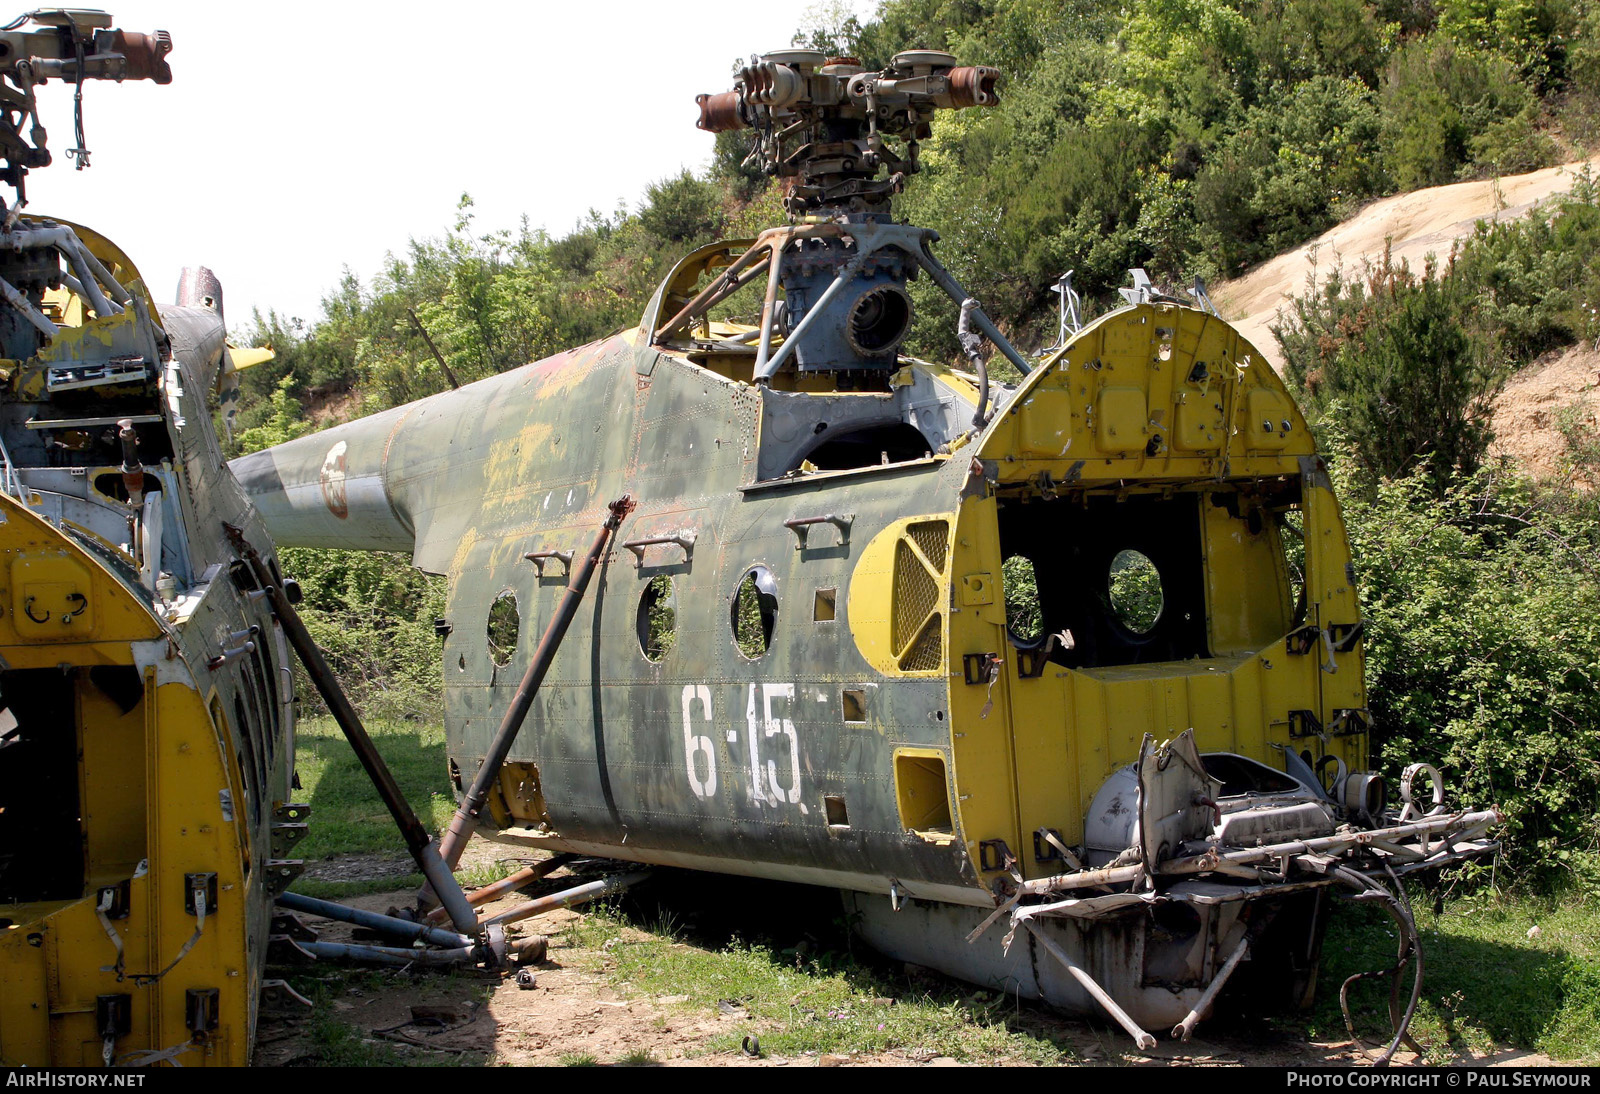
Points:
x=156, y=801
x=1156, y=432
x=54, y=592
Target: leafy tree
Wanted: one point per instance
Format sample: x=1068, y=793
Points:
x=1437, y=97
x=1536, y=283
x=1302, y=39
x=1385, y=363
x=283, y=423
x=682, y=208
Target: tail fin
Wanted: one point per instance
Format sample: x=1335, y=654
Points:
x=200, y=292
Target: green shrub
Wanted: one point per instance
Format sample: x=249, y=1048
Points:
x=1437, y=97
x=1385, y=363
x=1483, y=651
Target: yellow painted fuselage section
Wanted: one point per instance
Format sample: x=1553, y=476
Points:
x=1156, y=430
x=141, y=769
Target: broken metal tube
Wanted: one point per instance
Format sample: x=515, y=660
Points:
x=396, y=956
x=401, y=929
x=769, y=302
x=15, y=298
x=952, y=288
x=578, y=894
x=1185, y=1029
x=510, y=884
x=77, y=255
x=1141, y=1036
x=972, y=346
x=703, y=297
x=1456, y=825
x=1085, y=879
x=102, y=274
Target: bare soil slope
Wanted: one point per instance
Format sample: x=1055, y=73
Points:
x=1529, y=411
x=1414, y=226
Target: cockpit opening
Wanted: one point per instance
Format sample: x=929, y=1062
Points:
x=1116, y=581
x=1098, y=579
x=869, y=447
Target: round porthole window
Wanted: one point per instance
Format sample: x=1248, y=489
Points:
x=1023, y=618
x=1135, y=591
x=503, y=627
x=755, y=611
x=657, y=620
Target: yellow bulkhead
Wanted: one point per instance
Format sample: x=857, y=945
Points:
x=1156, y=430
x=132, y=818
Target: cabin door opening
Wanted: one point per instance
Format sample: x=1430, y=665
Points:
x=1099, y=581
x=41, y=830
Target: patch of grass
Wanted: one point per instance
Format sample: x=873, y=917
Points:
x=826, y=1004
x=1486, y=984
x=474, y=877
x=601, y=924
x=578, y=1059
x=347, y=816
x=344, y=890
x=338, y=1044
x=641, y=1057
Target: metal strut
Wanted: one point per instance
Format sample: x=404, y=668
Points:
x=461, y=825
x=418, y=842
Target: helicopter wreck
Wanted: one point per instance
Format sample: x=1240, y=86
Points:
x=795, y=659
x=146, y=723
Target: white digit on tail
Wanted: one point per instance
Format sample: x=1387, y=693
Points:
x=758, y=789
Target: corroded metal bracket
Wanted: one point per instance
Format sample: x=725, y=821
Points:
x=1031, y=663
x=684, y=540
x=980, y=668
x=800, y=526
x=539, y=558
x=281, y=873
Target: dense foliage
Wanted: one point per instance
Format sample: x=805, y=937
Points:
x=1483, y=650
x=1481, y=590
x=1188, y=137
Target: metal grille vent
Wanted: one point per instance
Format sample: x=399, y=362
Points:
x=932, y=537
x=918, y=578
x=923, y=656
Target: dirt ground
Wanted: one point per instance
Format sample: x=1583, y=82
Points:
x=475, y=1017
x=1526, y=413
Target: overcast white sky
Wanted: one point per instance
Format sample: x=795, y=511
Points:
x=298, y=138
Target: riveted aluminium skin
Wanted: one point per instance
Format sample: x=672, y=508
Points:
x=466, y=817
